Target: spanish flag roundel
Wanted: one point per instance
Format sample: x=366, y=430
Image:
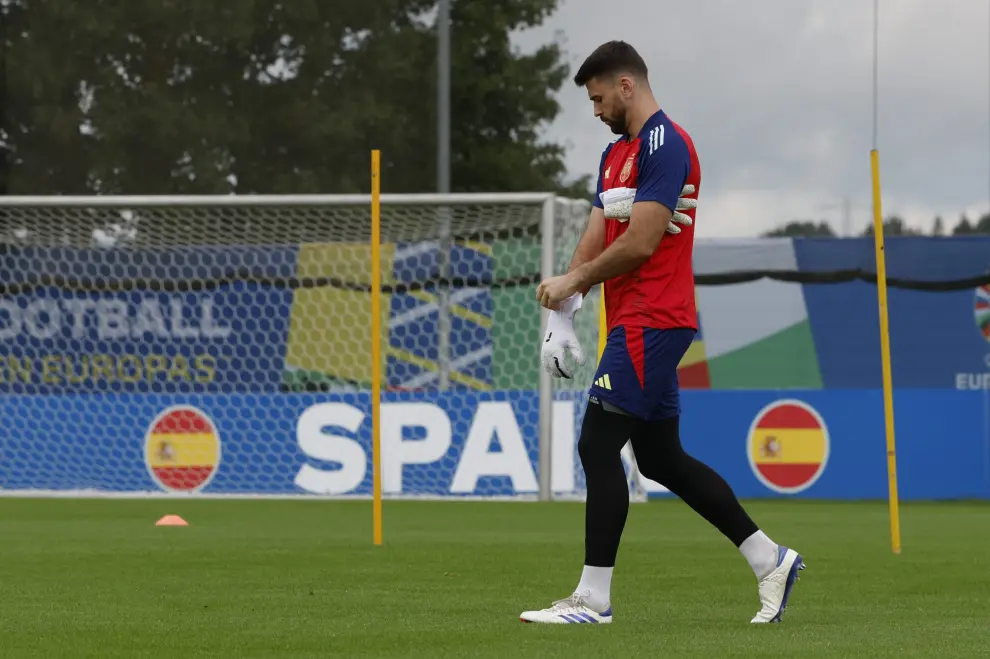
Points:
x=182, y=449
x=788, y=446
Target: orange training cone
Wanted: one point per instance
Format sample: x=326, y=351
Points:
x=171, y=520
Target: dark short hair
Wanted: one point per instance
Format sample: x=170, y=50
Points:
x=611, y=58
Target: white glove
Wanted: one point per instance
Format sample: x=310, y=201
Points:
x=618, y=203
x=560, y=339
x=682, y=205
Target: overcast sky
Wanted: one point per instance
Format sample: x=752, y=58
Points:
x=777, y=95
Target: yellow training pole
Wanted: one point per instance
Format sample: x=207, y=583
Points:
x=376, y=347
x=888, y=393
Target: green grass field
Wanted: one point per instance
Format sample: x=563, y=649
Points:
x=274, y=579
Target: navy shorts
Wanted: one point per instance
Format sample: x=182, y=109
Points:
x=638, y=371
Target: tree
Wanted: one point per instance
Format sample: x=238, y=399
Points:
x=40, y=139
x=938, y=227
x=964, y=228
x=894, y=226
x=270, y=96
x=983, y=225
x=802, y=229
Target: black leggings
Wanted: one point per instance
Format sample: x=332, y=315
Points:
x=660, y=458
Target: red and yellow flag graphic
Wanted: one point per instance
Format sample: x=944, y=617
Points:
x=182, y=450
x=788, y=446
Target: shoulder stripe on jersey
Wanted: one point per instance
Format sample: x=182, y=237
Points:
x=656, y=138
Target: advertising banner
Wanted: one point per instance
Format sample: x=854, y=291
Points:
x=228, y=339
x=801, y=444
x=180, y=319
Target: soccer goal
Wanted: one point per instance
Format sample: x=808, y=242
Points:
x=221, y=346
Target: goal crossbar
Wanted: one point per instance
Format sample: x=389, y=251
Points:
x=148, y=201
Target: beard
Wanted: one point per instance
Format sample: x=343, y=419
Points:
x=616, y=124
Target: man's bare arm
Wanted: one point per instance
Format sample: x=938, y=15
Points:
x=592, y=243
x=647, y=224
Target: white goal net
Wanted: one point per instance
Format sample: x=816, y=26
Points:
x=221, y=346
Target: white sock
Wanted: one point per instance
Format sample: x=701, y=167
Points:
x=761, y=553
x=595, y=585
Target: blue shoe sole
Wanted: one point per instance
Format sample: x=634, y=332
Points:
x=792, y=576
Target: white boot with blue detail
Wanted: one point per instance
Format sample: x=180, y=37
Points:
x=589, y=604
x=573, y=610
x=776, y=567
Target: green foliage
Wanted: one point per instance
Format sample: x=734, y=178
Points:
x=272, y=96
x=802, y=230
x=965, y=227
x=893, y=226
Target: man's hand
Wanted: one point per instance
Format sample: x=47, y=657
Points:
x=682, y=204
x=551, y=292
x=561, y=340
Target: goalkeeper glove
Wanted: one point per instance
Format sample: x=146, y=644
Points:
x=560, y=339
x=618, y=203
x=682, y=204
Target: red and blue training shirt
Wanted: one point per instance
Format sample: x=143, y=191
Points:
x=658, y=163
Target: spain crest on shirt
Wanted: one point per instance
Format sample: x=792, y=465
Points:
x=626, y=169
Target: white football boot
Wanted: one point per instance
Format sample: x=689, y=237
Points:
x=572, y=610
x=776, y=587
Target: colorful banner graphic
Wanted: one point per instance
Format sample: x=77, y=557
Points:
x=758, y=334
x=981, y=310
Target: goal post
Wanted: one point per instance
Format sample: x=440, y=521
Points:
x=219, y=346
